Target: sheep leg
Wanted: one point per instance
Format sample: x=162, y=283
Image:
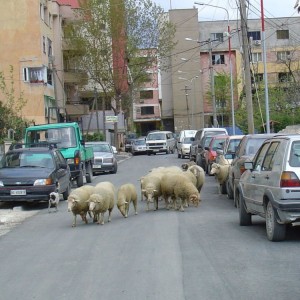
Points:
x=74, y=221
x=155, y=203
x=181, y=204
x=135, y=206
x=109, y=215
x=102, y=219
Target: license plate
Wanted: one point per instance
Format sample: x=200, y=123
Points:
x=18, y=192
x=97, y=166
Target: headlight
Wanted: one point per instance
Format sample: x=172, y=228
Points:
x=1, y=183
x=107, y=160
x=70, y=161
x=47, y=181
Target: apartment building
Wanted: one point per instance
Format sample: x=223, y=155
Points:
x=206, y=53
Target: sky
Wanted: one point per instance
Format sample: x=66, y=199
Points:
x=272, y=8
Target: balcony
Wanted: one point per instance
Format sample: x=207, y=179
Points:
x=75, y=77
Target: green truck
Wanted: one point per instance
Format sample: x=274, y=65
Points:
x=68, y=138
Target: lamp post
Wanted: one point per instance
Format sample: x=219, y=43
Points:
x=230, y=62
x=192, y=80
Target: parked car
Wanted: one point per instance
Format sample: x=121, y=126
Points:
x=185, y=147
x=129, y=138
x=196, y=141
x=210, y=153
x=160, y=141
x=104, y=157
x=184, y=137
x=138, y=146
x=200, y=158
x=224, y=156
x=270, y=186
x=246, y=150
x=31, y=174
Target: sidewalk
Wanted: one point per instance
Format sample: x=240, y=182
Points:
x=121, y=156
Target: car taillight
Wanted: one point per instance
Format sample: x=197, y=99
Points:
x=289, y=179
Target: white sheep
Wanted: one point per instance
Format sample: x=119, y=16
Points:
x=126, y=193
x=199, y=174
x=77, y=204
x=186, y=165
x=150, y=189
x=221, y=174
x=186, y=192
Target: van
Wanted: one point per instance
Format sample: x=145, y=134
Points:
x=160, y=141
x=183, y=135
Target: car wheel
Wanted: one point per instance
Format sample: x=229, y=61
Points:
x=114, y=170
x=67, y=192
x=168, y=151
x=229, y=190
x=79, y=179
x=182, y=156
x=275, y=231
x=148, y=153
x=244, y=216
x=178, y=155
x=89, y=173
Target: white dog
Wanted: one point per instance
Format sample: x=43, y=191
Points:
x=53, y=200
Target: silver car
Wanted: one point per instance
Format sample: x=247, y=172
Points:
x=270, y=186
x=138, y=146
x=104, y=157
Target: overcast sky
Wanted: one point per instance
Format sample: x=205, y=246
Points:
x=272, y=8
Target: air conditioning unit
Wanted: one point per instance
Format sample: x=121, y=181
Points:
x=257, y=42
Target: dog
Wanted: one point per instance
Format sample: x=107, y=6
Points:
x=53, y=201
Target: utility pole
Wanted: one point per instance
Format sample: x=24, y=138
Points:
x=186, y=89
x=212, y=85
x=247, y=71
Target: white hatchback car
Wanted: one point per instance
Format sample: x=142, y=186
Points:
x=270, y=186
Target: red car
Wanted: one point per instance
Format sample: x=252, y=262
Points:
x=217, y=142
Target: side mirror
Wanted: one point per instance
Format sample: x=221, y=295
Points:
x=248, y=165
x=220, y=152
x=63, y=165
x=206, y=148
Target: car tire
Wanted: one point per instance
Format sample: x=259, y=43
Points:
x=179, y=155
x=229, y=190
x=79, y=179
x=89, y=173
x=182, y=156
x=244, y=216
x=114, y=170
x=148, y=153
x=275, y=232
x=168, y=151
x=67, y=192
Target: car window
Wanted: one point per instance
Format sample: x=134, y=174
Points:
x=258, y=160
x=253, y=145
x=295, y=155
x=269, y=158
x=187, y=140
x=101, y=148
x=217, y=144
x=232, y=146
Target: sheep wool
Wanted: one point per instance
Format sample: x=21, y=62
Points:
x=150, y=189
x=199, y=174
x=77, y=204
x=127, y=193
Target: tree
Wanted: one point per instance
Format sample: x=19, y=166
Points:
x=115, y=41
x=10, y=108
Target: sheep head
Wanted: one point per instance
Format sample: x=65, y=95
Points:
x=194, y=199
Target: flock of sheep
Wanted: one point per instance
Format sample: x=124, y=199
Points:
x=178, y=187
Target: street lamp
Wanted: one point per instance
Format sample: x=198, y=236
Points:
x=193, y=107
x=230, y=62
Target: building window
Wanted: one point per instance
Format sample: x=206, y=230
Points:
x=218, y=59
x=284, y=77
x=44, y=45
x=254, y=35
x=146, y=94
x=217, y=37
x=49, y=47
x=282, y=34
x=257, y=78
x=49, y=102
x=283, y=55
x=256, y=57
x=147, y=110
x=49, y=77
x=42, y=11
x=35, y=75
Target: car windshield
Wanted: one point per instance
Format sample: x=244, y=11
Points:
x=207, y=141
x=233, y=145
x=28, y=159
x=156, y=136
x=187, y=140
x=101, y=148
x=217, y=144
x=63, y=137
x=140, y=142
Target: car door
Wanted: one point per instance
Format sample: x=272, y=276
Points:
x=253, y=189
x=62, y=174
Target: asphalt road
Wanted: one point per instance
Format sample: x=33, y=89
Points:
x=201, y=253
